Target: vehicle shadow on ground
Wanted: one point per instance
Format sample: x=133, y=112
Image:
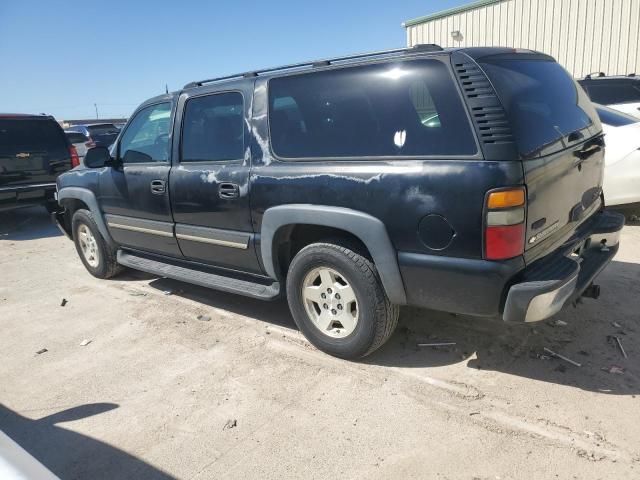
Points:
x=27, y=224
x=72, y=455
x=491, y=344
x=583, y=334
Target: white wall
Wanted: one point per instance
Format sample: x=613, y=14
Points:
x=583, y=35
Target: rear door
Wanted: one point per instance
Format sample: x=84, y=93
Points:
x=209, y=183
x=560, y=141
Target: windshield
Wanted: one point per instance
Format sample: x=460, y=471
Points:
x=543, y=103
x=30, y=135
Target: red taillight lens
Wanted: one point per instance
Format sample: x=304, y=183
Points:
x=505, y=224
x=75, y=159
x=504, y=242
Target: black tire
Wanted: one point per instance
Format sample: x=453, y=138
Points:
x=377, y=316
x=107, y=266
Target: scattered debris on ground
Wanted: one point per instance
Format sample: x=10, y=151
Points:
x=64, y=302
x=615, y=369
x=137, y=294
x=231, y=423
x=440, y=344
x=41, y=351
x=562, y=357
x=85, y=342
x=204, y=318
x=168, y=292
x=618, y=342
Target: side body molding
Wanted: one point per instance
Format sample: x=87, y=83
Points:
x=368, y=229
x=88, y=197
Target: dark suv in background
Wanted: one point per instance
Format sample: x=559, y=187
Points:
x=617, y=91
x=33, y=152
x=464, y=180
x=98, y=134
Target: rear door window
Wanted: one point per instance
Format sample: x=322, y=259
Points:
x=213, y=128
x=401, y=109
x=543, y=103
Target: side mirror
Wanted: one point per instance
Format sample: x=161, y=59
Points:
x=97, y=157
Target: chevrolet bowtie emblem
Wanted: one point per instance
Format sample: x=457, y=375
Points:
x=22, y=155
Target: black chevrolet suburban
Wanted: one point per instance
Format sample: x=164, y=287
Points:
x=33, y=152
x=465, y=180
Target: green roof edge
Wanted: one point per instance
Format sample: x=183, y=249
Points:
x=450, y=11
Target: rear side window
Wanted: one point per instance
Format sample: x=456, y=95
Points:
x=609, y=93
x=409, y=108
x=213, y=128
x=614, y=118
x=30, y=135
x=543, y=103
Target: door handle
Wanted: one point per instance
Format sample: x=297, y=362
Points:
x=228, y=190
x=158, y=187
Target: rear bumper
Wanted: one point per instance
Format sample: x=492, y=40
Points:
x=547, y=285
x=26, y=195
x=509, y=289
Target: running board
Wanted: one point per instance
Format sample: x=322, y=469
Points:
x=204, y=279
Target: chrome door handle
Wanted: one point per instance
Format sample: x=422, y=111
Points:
x=158, y=187
x=228, y=190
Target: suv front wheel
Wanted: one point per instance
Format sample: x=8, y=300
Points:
x=338, y=302
x=98, y=257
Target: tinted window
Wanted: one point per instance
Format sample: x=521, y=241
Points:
x=30, y=135
x=106, y=128
x=146, y=139
x=400, y=109
x=614, y=118
x=213, y=128
x=542, y=102
x=609, y=93
x=76, y=137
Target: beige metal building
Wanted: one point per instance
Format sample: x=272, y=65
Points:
x=583, y=35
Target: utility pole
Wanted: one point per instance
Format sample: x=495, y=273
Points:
x=96, y=107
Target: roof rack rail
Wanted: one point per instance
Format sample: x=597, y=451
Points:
x=589, y=76
x=632, y=74
x=427, y=47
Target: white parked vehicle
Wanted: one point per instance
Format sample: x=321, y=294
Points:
x=622, y=157
x=80, y=141
x=621, y=93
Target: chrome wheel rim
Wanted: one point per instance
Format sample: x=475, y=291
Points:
x=330, y=302
x=88, y=246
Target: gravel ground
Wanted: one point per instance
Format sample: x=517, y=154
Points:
x=239, y=393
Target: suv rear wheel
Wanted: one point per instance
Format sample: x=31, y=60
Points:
x=96, y=255
x=338, y=302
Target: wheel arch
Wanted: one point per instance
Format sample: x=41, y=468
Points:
x=69, y=196
x=366, y=228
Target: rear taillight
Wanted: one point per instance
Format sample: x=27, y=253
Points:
x=505, y=224
x=75, y=159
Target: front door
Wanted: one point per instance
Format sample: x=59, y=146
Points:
x=134, y=195
x=209, y=182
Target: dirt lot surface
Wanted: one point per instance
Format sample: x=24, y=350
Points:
x=239, y=393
